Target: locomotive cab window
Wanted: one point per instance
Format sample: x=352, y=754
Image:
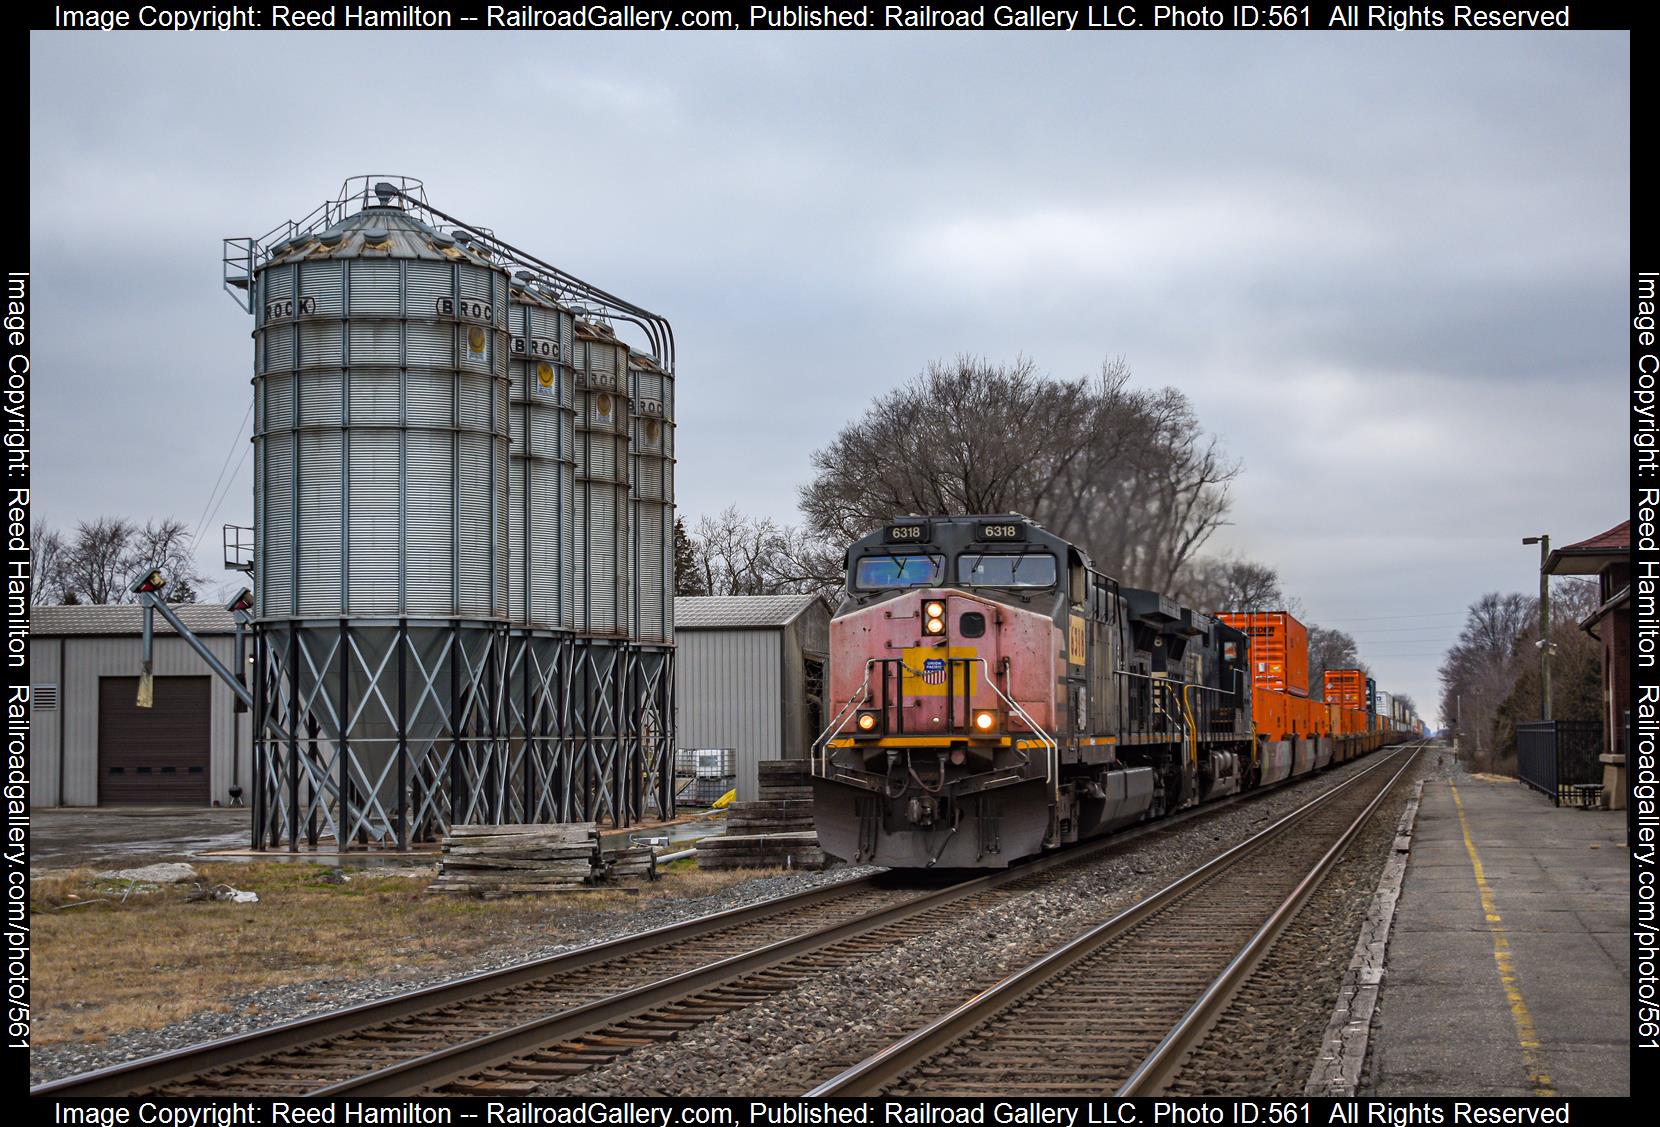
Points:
x=877, y=573
x=986, y=569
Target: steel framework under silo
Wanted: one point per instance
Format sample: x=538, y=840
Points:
x=464, y=692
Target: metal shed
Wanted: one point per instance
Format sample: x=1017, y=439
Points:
x=91, y=745
x=750, y=676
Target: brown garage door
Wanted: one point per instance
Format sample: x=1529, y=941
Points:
x=157, y=755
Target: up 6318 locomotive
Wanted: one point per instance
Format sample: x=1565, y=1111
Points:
x=999, y=696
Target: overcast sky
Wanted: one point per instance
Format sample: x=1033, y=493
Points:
x=1388, y=269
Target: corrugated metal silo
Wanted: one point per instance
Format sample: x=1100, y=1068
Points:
x=601, y=511
x=463, y=531
x=652, y=498
x=380, y=428
x=542, y=462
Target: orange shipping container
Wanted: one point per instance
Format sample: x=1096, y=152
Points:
x=1346, y=687
x=1279, y=649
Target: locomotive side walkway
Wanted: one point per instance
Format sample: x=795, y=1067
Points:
x=1508, y=969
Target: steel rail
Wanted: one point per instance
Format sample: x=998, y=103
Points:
x=181, y=1063
x=870, y=1075
x=420, y=1074
x=1154, y=1073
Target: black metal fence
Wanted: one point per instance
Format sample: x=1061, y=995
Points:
x=1559, y=758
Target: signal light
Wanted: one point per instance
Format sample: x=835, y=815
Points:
x=985, y=720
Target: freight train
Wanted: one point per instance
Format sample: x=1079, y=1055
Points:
x=996, y=696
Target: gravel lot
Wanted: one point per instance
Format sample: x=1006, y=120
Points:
x=792, y=1041
x=265, y=1008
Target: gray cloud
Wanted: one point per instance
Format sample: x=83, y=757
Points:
x=1389, y=269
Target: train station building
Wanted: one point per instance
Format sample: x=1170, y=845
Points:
x=1608, y=557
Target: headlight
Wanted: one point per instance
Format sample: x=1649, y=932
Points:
x=985, y=720
x=933, y=617
x=935, y=610
x=866, y=722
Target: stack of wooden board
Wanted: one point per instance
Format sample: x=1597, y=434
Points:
x=784, y=780
x=524, y=858
x=629, y=863
x=775, y=832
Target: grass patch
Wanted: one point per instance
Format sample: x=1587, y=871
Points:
x=110, y=957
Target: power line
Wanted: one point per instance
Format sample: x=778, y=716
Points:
x=201, y=521
x=235, y=476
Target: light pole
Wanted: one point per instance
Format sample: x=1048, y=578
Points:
x=1544, y=623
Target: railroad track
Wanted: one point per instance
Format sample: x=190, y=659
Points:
x=507, y=1032
x=1124, y=1003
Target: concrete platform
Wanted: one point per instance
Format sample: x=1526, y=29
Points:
x=1508, y=970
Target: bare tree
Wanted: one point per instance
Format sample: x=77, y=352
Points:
x=1126, y=473
x=733, y=554
x=95, y=561
x=1329, y=649
x=1479, y=672
x=1228, y=583
x=1576, y=666
x=103, y=556
x=166, y=544
x=48, y=551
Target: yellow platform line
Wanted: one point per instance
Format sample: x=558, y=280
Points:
x=1519, y=1013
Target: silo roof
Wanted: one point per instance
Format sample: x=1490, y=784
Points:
x=387, y=232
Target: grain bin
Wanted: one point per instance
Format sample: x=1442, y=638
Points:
x=380, y=432
x=542, y=425
x=652, y=499
x=447, y=625
x=601, y=512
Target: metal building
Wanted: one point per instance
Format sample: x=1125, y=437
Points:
x=443, y=552
x=93, y=746
x=749, y=676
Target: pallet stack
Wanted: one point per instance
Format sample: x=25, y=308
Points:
x=498, y=860
x=775, y=832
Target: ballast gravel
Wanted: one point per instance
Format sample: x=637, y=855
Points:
x=265, y=1008
x=792, y=1041
x=1267, y=1041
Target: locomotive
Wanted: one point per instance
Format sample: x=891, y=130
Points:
x=999, y=696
